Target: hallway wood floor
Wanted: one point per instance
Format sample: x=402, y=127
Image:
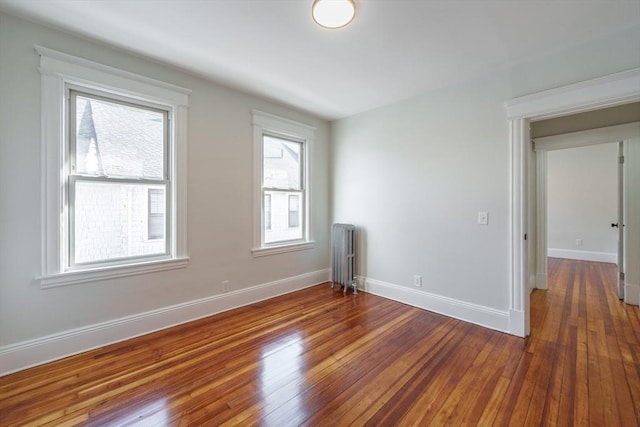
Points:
x=316, y=357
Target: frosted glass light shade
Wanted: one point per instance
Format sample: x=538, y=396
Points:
x=333, y=13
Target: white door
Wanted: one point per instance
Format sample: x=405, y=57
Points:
x=620, y=223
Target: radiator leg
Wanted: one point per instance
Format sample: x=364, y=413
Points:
x=355, y=287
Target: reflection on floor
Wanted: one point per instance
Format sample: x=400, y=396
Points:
x=318, y=357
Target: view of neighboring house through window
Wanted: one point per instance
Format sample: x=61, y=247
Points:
x=118, y=179
x=267, y=211
x=281, y=213
x=294, y=211
x=156, y=214
x=283, y=188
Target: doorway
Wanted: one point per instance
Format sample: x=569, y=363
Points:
x=617, y=89
x=598, y=207
x=582, y=205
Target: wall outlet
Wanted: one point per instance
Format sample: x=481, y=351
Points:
x=225, y=286
x=417, y=281
x=578, y=242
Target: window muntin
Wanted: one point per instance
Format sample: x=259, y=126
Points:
x=282, y=179
x=118, y=154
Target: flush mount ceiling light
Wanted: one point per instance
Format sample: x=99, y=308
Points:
x=333, y=13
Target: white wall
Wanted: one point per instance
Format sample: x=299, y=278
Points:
x=219, y=214
x=582, y=202
x=415, y=174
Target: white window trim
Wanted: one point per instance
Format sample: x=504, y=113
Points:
x=265, y=122
x=58, y=70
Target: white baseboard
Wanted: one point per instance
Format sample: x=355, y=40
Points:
x=632, y=294
x=472, y=313
x=34, y=352
x=610, y=257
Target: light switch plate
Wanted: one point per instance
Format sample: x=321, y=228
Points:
x=483, y=218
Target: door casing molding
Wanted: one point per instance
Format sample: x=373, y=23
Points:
x=615, y=89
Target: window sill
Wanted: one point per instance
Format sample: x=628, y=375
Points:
x=104, y=273
x=273, y=250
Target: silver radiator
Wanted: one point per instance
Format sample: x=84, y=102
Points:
x=343, y=271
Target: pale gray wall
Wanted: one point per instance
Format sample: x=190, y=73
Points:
x=220, y=143
x=582, y=198
x=414, y=174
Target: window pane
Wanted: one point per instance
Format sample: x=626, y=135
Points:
x=281, y=163
x=156, y=207
x=294, y=211
x=281, y=227
x=267, y=211
x=118, y=140
x=110, y=221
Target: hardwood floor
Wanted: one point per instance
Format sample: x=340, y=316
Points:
x=316, y=357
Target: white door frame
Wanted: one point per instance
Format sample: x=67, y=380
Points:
x=622, y=216
x=612, y=90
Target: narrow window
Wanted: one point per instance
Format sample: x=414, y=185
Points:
x=282, y=180
x=281, y=217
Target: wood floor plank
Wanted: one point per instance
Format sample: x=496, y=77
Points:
x=388, y=381
x=431, y=387
x=456, y=411
x=485, y=407
x=318, y=357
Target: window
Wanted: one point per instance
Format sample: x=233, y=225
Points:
x=114, y=174
x=267, y=211
x=294, y=211
x=282, y=181
x=281, y=152
x=156, y=214
x=118, y=165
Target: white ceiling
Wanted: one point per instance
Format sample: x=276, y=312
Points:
x=393, y=49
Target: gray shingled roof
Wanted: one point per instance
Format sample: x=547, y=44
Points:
x=118, y=140
x=281, y=163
